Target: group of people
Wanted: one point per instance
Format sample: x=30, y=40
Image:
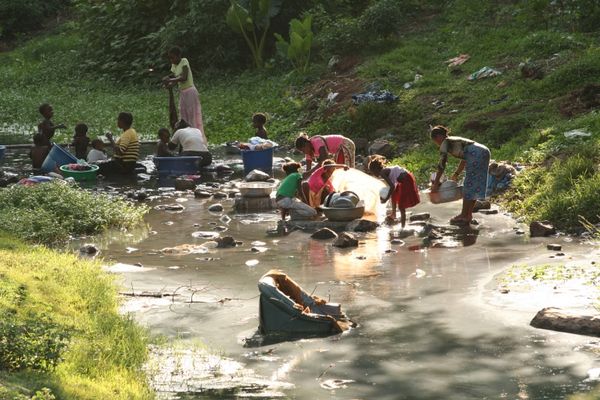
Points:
x=302, y=194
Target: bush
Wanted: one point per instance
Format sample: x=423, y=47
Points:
x=339, y=36
x=23, y=16
x=50, y=213
x=384, y=17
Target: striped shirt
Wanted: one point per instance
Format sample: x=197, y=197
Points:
x=129, y=145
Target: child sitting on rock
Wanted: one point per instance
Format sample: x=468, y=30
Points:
x=81, y=141
x=97, y=153
x=402, y=186
x=258, y=121
x=39, y=151
x=286, y=197
x=162, y=147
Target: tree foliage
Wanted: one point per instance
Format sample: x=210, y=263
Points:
x=298, y=49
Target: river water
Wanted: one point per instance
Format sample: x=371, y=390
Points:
x=427, y=328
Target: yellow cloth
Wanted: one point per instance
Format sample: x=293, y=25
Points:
x=129, y=145
x=178, y=70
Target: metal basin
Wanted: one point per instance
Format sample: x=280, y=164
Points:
x=256, y=189
x=449, y=191
x=343, y=214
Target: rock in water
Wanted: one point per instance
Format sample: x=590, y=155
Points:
x=201, y=194
x=89, y=249
x=324, y=234
x=257, y=175
x=225, y=242
x=184, y=184
x=557, y=320
x=424, y=216
x=482, y=205
x=215, y=208
x=219, y=195
x=541, y=228
x=345, y=240
x=362, y=225
x=554, y=247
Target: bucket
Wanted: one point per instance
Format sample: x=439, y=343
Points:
x=89, y=175
x=183, y=165
x=2, y=151
x=258, y=159
x=57, y=158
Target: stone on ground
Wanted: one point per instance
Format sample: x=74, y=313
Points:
x=345, y=240
x=541, y=228
x=362, y=225
x=556, y=319
x=324, y=234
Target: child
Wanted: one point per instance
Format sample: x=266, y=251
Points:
x=258, y=121
x=39, y=151
x=319, y=184
x=97, y=153
x=80, y=141
x=286, y=194
x=162, y=147
x=403, y=187
x=47, y=128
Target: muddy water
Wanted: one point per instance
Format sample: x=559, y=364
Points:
x=420, y=337
x=427, y=334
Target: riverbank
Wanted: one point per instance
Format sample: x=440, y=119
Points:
x=61, y=329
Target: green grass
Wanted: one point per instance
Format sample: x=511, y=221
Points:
x=62, y=331
x=51, y=213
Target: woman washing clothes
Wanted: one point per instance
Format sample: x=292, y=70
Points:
x=474, y=157
x=189, y=101
x=319, y=185
x=323, y=147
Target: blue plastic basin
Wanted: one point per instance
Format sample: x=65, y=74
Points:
x=258, y=159
x=57, y=158
x=184, y=165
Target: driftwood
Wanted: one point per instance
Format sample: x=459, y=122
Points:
x=558, y=320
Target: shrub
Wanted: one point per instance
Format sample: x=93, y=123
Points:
x=23, y=16
x=340, y=35
x=384, y=17
x=50, y=213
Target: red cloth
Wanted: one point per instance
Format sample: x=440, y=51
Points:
x=406, y=192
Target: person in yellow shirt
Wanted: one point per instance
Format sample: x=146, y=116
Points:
x=190, y=109
x=126, y=149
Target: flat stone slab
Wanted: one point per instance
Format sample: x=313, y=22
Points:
x=559, y=320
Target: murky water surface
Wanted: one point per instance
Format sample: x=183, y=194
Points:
x=427, y=328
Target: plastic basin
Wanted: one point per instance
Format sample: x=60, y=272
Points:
x=89, y=175
x=57, y=158
x=449, y=191
x=184, y=165
x=258, y=159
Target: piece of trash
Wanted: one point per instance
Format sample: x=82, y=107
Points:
x=593, y=375
x=205, y=235
x=332, y=384
x=419, y=273
x=577, y=133
x=259, y=243
x=418, y=77
x=252, y=263
x=225, y=219
x=485, y=72
x=498, y=100
x=174, y=267
x=130, y=249
x=332, y=96
x=407, y=85
x=459, y=60
x=384, y=96
x=438, y=104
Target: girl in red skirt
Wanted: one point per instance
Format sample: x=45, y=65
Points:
x=402, y=186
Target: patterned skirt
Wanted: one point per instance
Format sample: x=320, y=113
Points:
x=190, y=109
x=477, y=157
x=346, y=153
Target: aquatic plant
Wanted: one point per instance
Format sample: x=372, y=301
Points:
x=53, y=212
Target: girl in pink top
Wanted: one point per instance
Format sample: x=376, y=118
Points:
x=321, y=147
x=318, y=186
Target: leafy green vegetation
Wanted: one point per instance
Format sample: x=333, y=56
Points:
x=62, y=335
x=51, y=213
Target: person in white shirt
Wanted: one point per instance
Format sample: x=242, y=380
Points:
x=192, y=142
x=97, y=152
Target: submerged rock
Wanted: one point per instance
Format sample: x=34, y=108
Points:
x=184, y=184
x=89, y=249
x=219, y=195
x=362, y=225
x=215, y=208
x=482, y=205
x=345, y=240
x=201, y=194
x=558, y=320
x=541, y=228
x=324, y=234
x=424, y=216
x=226, y=242
x=554, y=247
x=257, y=175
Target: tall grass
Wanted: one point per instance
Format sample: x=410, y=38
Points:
x=100, y=353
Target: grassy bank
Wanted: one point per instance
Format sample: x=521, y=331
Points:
x=61, y=329
x=518, y=118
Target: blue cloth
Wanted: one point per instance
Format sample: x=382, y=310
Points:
x=477, y=157
x=374, y=97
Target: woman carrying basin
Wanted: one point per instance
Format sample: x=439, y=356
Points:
x=474, y=158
